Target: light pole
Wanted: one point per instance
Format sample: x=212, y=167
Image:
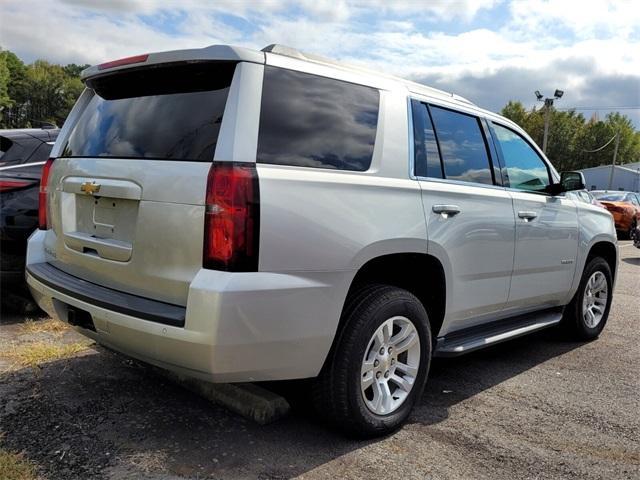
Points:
x=548, y=103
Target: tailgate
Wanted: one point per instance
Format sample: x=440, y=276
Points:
x=126, y=197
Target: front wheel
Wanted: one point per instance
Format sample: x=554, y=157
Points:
x=587, y=314
x=633, y=230
x=378, y=368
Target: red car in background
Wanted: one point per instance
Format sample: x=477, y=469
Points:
x=625, y=208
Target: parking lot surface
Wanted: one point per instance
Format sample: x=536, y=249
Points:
x=536, y=407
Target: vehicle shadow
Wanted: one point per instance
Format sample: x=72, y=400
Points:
x=102, y=413
x=453, y=380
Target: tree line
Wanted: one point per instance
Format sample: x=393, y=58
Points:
x=572, y=136
x=36, y=94
x=41, y=92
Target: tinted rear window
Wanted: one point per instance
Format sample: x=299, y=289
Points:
x=427, y=157
x=5, y=145
x=462, y=146
x=312, y=121
x=171, y=112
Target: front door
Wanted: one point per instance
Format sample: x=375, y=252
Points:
x=546, y=242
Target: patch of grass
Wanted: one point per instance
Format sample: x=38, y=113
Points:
x=49, y=325
x=14, y=466
x=149, y=462
x=36, y=353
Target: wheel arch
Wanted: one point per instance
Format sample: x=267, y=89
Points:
x=607, y=251
x=409, y=271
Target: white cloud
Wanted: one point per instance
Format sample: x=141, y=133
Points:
x=443, y=40
x=585, y=18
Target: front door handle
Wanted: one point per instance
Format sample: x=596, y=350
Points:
x=527, y=216
x=446, y=210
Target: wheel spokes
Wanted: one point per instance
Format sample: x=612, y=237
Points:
x=390, y=365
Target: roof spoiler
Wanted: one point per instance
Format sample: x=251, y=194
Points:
x=223, y=53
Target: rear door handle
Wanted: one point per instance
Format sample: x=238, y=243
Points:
x=446, y=210
x=527, y=216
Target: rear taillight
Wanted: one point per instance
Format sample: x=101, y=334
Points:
x=232, y=218
x=43, y=206
x=8, y=185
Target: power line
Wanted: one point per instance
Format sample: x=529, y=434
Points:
x=621, y=107
x=600, y=148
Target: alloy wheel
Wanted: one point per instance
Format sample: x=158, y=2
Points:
x=595, y=298
x=390, y=365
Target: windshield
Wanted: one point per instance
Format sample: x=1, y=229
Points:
x=612, y=197
x=170, y=112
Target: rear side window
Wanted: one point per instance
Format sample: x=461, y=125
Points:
x=462, y=146
x=523, y=167
x=5, y=145
x=312, y=121
x=17, y=150
x=168, y=112
x=427, y=158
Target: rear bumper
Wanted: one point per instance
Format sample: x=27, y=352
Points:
x=107, y=298
x=237, y=327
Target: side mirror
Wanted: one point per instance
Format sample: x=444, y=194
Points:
x=569, y=181
x=572, y=181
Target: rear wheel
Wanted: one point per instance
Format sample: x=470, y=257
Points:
x=379, y=365
x=587, y=314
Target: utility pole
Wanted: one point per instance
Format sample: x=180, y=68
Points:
x=548, y=104
x=613, y=164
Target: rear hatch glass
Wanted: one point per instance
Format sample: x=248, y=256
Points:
x=127, y=203
x=168, y=112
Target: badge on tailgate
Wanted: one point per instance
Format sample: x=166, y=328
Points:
x=90, y=188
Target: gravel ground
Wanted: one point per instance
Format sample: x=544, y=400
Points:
x=537, y=407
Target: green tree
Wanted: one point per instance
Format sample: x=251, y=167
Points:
x=572, y=138
x=5, y=99
x=36, y=93
x=53, y=92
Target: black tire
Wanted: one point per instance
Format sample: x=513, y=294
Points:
x=337, y=392
x=632, y=229
x=573, y=321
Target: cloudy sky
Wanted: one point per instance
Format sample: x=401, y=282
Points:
x=489, y=51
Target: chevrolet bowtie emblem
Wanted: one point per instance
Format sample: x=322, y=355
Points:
x=90, y=188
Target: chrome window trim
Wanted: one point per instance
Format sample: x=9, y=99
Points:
x=20, y=165
x=461, y=182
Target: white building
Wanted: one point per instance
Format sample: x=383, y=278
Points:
x=625, y=177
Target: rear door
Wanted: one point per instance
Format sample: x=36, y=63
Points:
x=469, y=215
x=546, y=226
x=127, y=192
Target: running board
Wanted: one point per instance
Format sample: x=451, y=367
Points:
x=481, y=336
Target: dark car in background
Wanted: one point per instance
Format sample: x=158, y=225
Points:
x=23, y=153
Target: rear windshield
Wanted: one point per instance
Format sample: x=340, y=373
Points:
x=170, y=112
x=612, y=197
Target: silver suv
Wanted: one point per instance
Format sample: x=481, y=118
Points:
x=244, y=216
